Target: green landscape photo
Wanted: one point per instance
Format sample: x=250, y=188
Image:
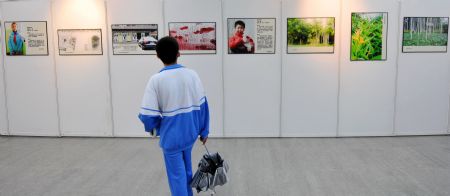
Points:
x=425, y=34
x=310, y=35
x=369, y=31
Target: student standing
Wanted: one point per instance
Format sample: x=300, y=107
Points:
x=175, y=108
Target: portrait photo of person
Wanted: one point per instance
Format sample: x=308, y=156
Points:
x=240, y=42
x=15, y=42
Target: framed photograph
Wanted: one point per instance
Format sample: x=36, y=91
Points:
x=369, y=36
x=425, y=34
x=194, y=37
x=134, y=39
x=80, y=42
x=310, y=35
x=26, y=38
x=251, y=35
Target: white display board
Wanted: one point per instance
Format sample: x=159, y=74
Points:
x=250, y=95
x=208, y=66
x=130, y=73
x=367, y=88
x=3, y=112
x=252, y=81
x=30, y=80
x=83, y=81
x=423, y=80
x=310, y=81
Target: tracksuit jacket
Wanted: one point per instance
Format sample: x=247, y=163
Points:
x=175, y=105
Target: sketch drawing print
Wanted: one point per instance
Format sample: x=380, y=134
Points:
x=80, y=42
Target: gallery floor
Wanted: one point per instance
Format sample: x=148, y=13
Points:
x=400, y=166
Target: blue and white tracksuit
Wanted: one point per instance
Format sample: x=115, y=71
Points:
x=175, y=105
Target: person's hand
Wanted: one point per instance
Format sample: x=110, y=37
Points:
x=240, y=40
x=152, y=133
x=203, y=140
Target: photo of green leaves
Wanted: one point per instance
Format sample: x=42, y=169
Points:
x=425, y=34
x=369, y=35
x=310, y=35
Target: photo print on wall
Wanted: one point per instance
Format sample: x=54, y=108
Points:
x=425, y=34
x=26, y=38
x=134, y=39
x=80, y=42
x=194, y=37
x=251, y=35
x=310, y=35
x=369, y=36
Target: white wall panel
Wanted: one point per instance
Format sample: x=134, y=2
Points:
x=83, y=81
x=306, y=95
x=423, y=79
x=310, y=81
x=252, y=81
x=208, y=66
x=367, y=88
x=130, y=73
x=30, y=80
x=3, y=113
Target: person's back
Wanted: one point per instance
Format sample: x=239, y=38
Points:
x=175, y=105
x=180, y=98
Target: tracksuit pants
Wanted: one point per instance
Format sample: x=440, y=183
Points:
x=179, y=172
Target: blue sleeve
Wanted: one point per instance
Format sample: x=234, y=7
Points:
x=150, y=122
x=204, y=119
x=149, y=113
x=10, y=44
x=20, y=43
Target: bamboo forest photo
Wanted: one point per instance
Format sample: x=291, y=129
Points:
x=425, y=34
x=310, y=35
x=369, y=36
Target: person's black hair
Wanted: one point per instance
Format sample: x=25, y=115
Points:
x=167, y=50
x=239, y=22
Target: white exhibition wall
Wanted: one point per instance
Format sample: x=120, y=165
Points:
x=259, y=95
x=423, y=81
x=83, y=82
x=209, y=67
x=130, y=73
x=3, y=113
x=30, y=80
x=252, y=82
x=310, y=81
x=367, y=88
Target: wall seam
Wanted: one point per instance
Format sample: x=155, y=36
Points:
x=163, y=18
x=280, y=132
x=338, y=99
x=394, y=126
x=223, y=68
x=55, y=73
x=109, y=72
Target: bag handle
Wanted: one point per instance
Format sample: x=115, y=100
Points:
x=206, y=149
